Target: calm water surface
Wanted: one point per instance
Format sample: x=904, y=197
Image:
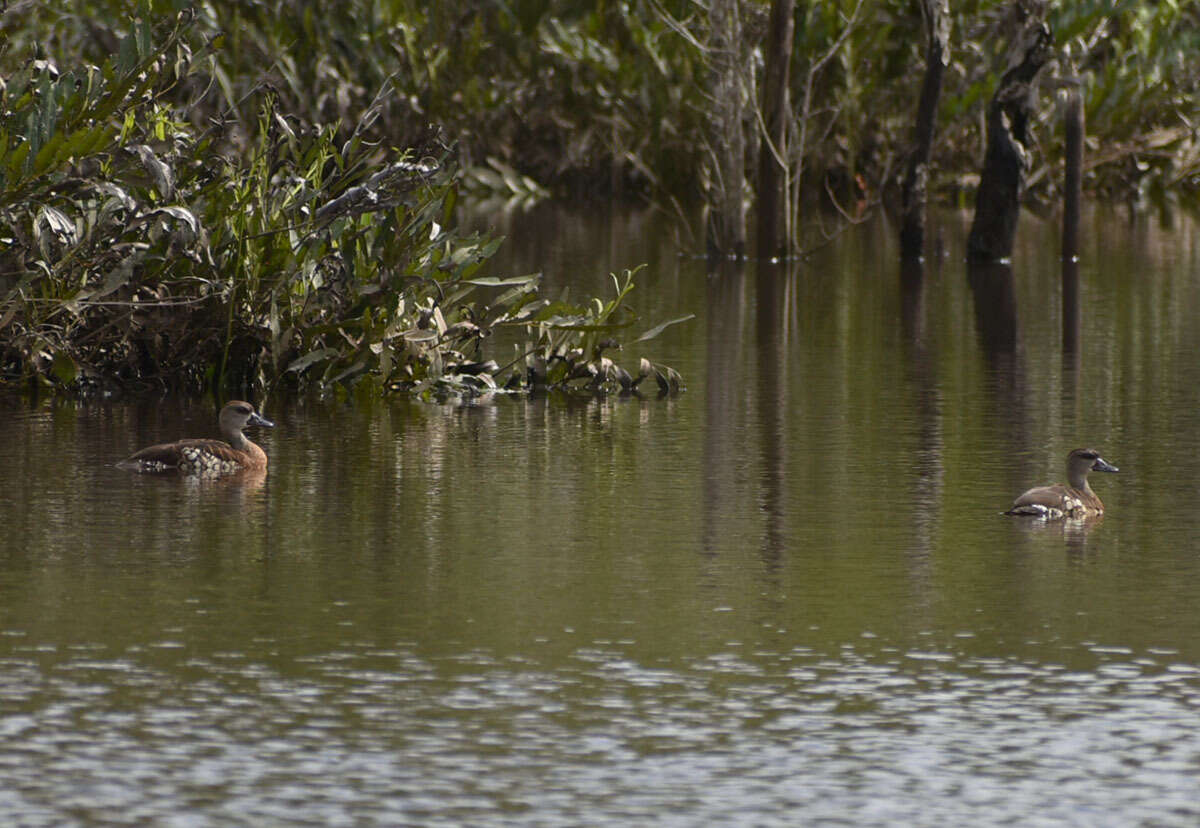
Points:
x=784, y=597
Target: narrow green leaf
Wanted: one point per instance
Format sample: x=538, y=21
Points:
x=657, y=329
x=492, y=281
x=312, y=358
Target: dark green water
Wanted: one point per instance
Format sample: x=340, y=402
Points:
x=785, y=597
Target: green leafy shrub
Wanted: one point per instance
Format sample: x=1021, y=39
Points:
x=140, y=249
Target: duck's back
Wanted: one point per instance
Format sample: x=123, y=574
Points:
x=199, y=456
x=1055, y=501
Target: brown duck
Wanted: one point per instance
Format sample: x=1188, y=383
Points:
x=208, y=457
x=1076, y=499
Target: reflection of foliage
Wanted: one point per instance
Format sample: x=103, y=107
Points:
x=142, y=250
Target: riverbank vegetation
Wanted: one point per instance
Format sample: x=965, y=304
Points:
x=151, y=242
x=603, y=98
x=254, y=193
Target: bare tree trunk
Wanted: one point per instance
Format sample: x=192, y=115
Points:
x=998, y=201
x=772, y=156
x=1073, y=174
x=799, y=148
x=936, y=14
x=1072, y=204
x=727, y=212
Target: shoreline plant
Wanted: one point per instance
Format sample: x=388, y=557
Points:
x=143, y=246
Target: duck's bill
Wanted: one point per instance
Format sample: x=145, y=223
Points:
x=259, y=420
x=1102, y=465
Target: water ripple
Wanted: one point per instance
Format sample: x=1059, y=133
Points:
x=388, y=737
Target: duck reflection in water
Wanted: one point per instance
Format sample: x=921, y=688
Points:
x=208, y=457
x=1075, y=499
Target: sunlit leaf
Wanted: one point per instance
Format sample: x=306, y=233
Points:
x=420, y=335
x=311, y=359
x=162, y=175
x=64, y=368
x=657, y=329
x=181, y=214
x=57, y=223
x=492, y=281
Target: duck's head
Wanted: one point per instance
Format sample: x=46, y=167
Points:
x=237, y=414
x=1084, y=460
